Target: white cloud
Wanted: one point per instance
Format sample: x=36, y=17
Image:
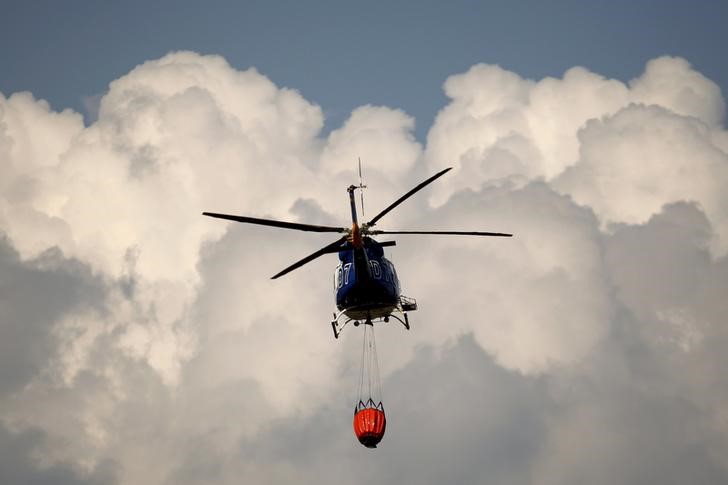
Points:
x=672, y=83
x=381, y=136
x=607, y=144
x=158, y=336
x=643, y=157
x=479, y=285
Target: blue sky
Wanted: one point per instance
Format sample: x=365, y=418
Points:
x=345, y=54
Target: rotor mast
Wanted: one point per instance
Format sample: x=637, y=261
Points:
x=355, y=240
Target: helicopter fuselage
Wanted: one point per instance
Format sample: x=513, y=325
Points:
x=365, y=282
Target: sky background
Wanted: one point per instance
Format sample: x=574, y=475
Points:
x=341, y=55
x=141, y=343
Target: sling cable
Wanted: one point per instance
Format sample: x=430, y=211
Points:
x=369, y=419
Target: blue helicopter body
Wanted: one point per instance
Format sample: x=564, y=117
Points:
x=366, y=282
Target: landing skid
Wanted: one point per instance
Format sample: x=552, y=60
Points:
x=404, y=305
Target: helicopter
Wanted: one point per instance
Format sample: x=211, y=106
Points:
x=365, y=281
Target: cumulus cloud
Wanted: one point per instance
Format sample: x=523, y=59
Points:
x=593, y=336
x=643, y=157
x=499, y=126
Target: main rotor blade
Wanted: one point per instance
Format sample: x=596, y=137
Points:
x=446, y=233
x=275, y=223
x=331, y=248
x=407, y=195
